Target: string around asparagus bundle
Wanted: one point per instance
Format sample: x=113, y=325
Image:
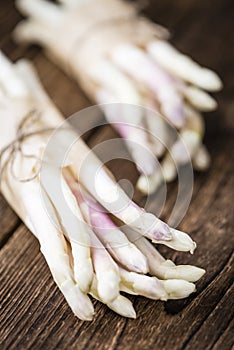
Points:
x=86, y=251
x=9, y=153
x=132, y=63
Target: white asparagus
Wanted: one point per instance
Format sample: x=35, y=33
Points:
x=106, y=270
x=114, y=240
x=26, y=200
x=52, y=242
x=185, y=149
x=178, y=289
x=121, y=116
x=149, y=287
x=41, y=10
x=33, y=30
x=160, y=267
x=136, y=63
x=153, y=288
x=66, y=260
x=73, y=3
x=183, y=67
x=111, y=79
x=9, y=79
x=180, y=241
x=201, y=160
x=199, y=99
x=121, y=305
x=73, y=225
x=95, y=63
x=167, y=173
x=158, y=129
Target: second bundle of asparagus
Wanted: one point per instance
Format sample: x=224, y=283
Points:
x=118, y=56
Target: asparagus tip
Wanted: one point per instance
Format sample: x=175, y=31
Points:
x=178, y=289
x=123, y=306
x=108, y=287
x=185, y=272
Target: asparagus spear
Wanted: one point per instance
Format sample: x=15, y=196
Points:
x=121, y=305
x=183, y=67
x=153, y=288
x=121, y=249
x=160, y=267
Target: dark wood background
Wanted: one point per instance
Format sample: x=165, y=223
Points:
x=34, y=314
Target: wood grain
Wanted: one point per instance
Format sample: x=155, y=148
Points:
x=34, y=314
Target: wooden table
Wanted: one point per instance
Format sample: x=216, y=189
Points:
x=34, y=314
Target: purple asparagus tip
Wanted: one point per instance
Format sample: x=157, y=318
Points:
x=162, y=232
x=155, y=229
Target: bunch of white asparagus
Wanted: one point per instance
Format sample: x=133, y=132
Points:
x=118, y=56
x=88, y=252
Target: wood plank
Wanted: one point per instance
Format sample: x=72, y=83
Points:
x=214, y=322
x=225, y=341
x=9, y=221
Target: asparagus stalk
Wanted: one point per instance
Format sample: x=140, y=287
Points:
x=106, y=270
x=153, y=288
x=201, y=160
x=160, y=267
x=185, y=149
x=52, y=242
x=76, y=231
x=10, y=82
x=120, y=305
x=183, y=67
x=140, y=67
x=134, y=134
x=199, y=99
x=123, y=251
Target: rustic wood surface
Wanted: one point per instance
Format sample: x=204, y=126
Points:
x=34, y=314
